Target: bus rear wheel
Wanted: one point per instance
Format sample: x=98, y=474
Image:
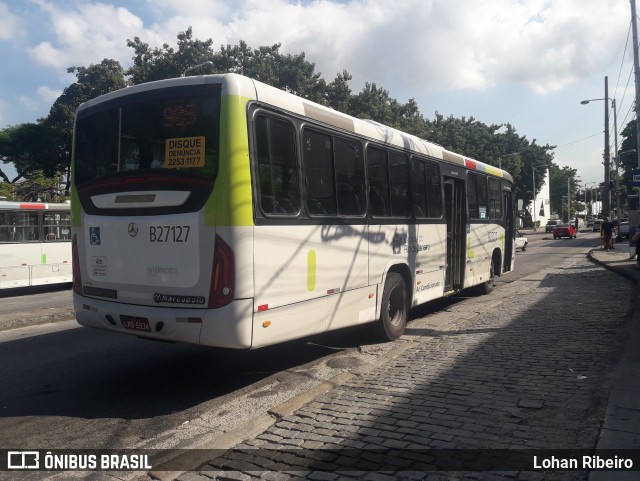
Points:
x=393, y=315
x=487, y=286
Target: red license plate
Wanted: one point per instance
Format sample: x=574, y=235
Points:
x=135, y=323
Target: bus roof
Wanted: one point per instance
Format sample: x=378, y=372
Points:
x=235, y=84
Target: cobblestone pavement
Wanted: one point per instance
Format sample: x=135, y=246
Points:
x=527, y=367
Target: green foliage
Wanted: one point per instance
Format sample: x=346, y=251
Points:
x=40, y=187
x=563, y=185
x=163, y=63
x=6, y=191
x=629, y=155
x=45, y=146
x=28, y=146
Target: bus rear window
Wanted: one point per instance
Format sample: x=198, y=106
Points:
x=175, y=130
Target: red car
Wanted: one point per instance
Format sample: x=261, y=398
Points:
x=564, y=230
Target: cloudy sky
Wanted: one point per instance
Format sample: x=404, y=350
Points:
x=526, y=62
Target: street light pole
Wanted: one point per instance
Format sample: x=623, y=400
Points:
x=607, y=154
x=606, y=195
x=636, y=70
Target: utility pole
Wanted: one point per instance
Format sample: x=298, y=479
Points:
x=607, y=154
x=636, y=69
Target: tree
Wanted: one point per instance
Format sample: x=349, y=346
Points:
x=564, y=191
x=163, y=63
x=45, y=146
x=40, y=187
x=28, y=147
x=6, y=191
x=629, y=156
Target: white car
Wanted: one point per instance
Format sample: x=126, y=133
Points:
x=623, y=230
x=521, y=241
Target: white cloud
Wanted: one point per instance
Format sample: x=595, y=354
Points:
x=29, y=103
x=87, y=35
x=425, y=45
x=433, y=44
x=48, y=95
x=3, y=115
x=10, y=24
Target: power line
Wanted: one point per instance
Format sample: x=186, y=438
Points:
x=577, y=141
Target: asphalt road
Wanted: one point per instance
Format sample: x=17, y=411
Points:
x=65, y=386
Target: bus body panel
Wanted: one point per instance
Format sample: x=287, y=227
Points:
x=15, y=277
x=482, y=241
x=310, y=265
x=296, y=263
x=428, y=249
x=418, y=246
x=34, y=263
x=292, y=321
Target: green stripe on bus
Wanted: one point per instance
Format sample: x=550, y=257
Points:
x=231, y=201
x=44, y=259
x=76, y=211
x=311, y=270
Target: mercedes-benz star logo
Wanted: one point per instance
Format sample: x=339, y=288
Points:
x=133, y=229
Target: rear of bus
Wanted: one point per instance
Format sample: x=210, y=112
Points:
x=161, y=212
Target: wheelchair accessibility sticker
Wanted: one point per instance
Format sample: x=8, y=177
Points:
x=94, y=236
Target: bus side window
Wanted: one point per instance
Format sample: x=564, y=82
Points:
x=277, y=166
x=378, y=182
x=434, y=189
x=477, y=195
x=419, y=188
x=495, y=199
x=349, y=166
x=399, y=183
x=318, y=171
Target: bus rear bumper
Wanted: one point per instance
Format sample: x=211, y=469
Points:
x=229, y=326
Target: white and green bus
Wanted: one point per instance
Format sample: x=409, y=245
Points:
x=220, y=211
x=35, y=244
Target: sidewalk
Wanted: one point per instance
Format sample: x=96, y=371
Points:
x=621, y=427
x=475, y=384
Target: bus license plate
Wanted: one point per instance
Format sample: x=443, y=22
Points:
x=135, y=323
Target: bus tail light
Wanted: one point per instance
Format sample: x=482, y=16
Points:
x=223, y=275
x=75, y=266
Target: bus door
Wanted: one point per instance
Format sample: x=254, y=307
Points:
x=507, y=197
x=456, y=233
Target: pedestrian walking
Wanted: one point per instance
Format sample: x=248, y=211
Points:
x=636, y=238
x=608, y=229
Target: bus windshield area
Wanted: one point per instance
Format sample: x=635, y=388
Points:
x=167, y=130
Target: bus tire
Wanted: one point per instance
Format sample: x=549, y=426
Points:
x=393, y=312
x=487, y=286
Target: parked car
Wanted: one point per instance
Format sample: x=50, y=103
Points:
x=521, y=241
x=550, y=225
x=590, y=221
x=623, y=229
x=564, y=230
x=596, y=225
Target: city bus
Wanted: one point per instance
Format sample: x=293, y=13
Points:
x=220, y=211
x=35, y=244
